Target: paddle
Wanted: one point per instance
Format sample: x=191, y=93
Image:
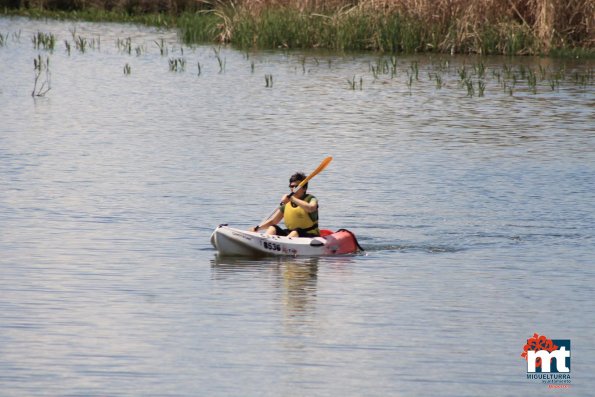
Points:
x=317, y=171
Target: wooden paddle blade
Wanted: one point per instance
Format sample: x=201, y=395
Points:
x=317, y=171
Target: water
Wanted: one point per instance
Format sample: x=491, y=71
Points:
x=476, y=214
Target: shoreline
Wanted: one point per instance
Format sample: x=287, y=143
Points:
x=356, y=28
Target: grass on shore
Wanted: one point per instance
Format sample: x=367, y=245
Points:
x=511, y=27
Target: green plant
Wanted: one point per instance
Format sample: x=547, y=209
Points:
x=415, y=69
x=481, y=87
x=469, y=84
x=47, y=41
x=393, y=68
x=351, y=83
x=41, y=67
x=374, y=70
x=532, y=81
x=438, y=79
x=81, y=44
x=162, y=46
x=177, y=64
x=409, y=81
x=480, y=69
x=220, y=60
x=124, y=45
x=462, y=73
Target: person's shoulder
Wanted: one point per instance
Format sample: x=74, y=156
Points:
x=311, y=197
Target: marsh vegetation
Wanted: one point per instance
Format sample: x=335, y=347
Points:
x=512, y=27
x=472, y=75
x=42, y=81
x=475, y=76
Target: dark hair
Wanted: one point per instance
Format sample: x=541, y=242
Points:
x=298, y=177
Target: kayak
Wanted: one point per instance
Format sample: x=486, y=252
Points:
x=230, y=241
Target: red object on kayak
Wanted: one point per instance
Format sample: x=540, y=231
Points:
x=341, y=242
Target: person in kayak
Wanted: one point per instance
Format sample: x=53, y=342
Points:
x=299, y=211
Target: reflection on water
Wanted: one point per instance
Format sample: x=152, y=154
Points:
x=299, y=283
x=295, y=277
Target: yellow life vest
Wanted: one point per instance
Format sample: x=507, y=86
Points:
x=297, y=218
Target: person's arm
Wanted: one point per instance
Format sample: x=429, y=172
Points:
x=276, y=218
x=307, y=206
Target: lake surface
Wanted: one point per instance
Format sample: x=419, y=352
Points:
x=476, y=213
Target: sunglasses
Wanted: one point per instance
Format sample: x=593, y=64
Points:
x=293, y=186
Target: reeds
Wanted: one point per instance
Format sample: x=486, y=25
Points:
x=16, y=37
x=45, y=41
x=476, y=78
x=220, y=60
x=162, y=47
x=352, y=83
x=81, y=44
x=124, y=45
x=514, y=27
x=41, y=67
x=177, y=64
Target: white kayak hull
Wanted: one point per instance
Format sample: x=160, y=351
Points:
x=236, y=242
